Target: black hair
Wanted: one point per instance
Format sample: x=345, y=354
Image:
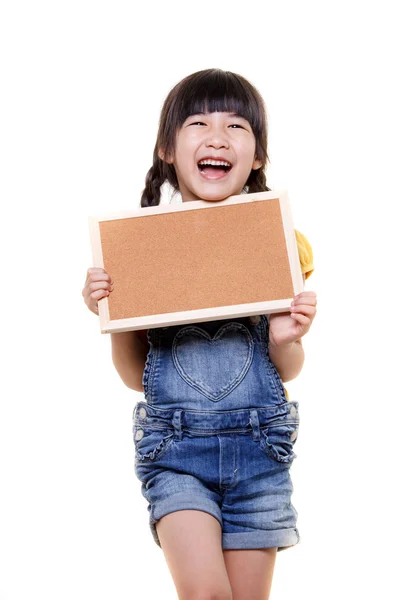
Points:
x=211, y=90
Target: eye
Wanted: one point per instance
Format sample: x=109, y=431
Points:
x=236, y=125
x=197, y=123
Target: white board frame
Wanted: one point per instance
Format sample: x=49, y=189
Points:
x=108, y=325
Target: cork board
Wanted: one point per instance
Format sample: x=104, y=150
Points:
x=197, y=261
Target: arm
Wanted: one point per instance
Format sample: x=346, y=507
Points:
x=288, y=357
x=286, y=330
x=129, y=358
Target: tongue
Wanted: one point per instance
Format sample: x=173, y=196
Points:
x=213, y=172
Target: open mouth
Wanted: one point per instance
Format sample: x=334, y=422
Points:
x=214, y=169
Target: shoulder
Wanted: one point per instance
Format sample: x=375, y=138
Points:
x=305, y=254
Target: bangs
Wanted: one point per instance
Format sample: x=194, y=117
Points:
x=218, y=91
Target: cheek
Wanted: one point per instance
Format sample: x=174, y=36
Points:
x=185, y=151
x=246, y=163
x=188, y=140
x=246, y=149
x=181, y=159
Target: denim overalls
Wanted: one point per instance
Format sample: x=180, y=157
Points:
x=216, y=431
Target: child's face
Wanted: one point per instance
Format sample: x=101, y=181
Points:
x=217, y=135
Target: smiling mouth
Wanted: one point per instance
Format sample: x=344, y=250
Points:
x=214, y=171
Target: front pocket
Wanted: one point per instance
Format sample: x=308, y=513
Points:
x=151, y=444
x=277, y=441
x=214, y=366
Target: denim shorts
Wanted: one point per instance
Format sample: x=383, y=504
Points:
x=216, y=432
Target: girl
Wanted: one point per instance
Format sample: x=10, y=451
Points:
x=214, y=435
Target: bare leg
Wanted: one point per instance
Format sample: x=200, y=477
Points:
x=250, y=572
x=192, y=546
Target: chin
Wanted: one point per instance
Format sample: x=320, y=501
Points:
x=215, y=199
x=216, y=196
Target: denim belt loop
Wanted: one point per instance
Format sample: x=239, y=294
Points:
x=255, y=423
x=177, y=423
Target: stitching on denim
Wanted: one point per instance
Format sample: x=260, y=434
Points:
x=146, y=426
x=277, y=379
x=272, y=373
x=229, y=387
x=266, y=447
x=158, y=451
x=154, y=368
x=146, y=371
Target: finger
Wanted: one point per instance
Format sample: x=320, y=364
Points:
x=100, y=285
x=96, y=296
x=306, y=301
x=92, y=300
x=97, y=274
x=301, y=319
x=304, y=308
x=306, y=295
x=94, y=271
x=94, y=277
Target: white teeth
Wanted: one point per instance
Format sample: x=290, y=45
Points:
x=207, y=161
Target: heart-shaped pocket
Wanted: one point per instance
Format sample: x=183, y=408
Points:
x=214, y=366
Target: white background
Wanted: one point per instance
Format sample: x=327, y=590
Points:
x=82, y=88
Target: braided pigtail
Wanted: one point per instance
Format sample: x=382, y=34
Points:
x=155, y=177
x=257, y=182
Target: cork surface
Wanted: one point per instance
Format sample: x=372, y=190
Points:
x=193, y=259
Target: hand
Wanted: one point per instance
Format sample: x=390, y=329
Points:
x=98, y=284
x=285, y=328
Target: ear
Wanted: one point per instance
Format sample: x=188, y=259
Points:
x=161, y=154
x=257, y=164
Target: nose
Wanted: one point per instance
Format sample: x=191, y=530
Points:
x=217, y=138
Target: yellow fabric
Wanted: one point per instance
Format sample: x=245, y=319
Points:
x=306, y=262
x=305, y=254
